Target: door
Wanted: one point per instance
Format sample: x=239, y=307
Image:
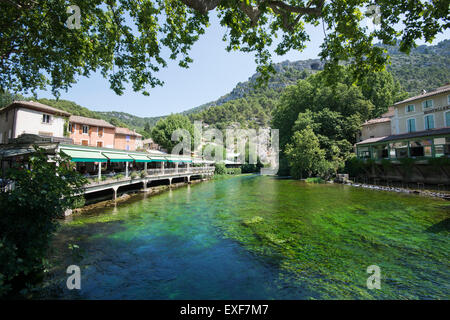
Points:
x=99, y=144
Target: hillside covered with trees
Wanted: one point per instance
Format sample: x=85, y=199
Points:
x=248, y=105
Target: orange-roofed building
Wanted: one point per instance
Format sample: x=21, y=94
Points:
x=126, y=139
x=91, y=132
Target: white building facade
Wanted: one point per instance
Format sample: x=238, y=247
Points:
x=29, y=117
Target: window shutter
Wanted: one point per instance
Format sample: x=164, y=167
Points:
x=81, y=129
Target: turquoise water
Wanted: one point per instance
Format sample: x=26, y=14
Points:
x=255, y=237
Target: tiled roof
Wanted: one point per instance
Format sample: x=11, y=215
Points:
x=147, y=141
x=127, y=131
x=90, y=121
x=409, y=135
x=33, y=105
x=439, y=90
x=372, y=140
x=377, y=120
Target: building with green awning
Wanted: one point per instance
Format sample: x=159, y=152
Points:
x=84, y=155
x=118, y=157
x=157, y=158
x=140, y=158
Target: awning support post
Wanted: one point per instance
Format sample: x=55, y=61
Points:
x=99, y=171
x=126, y=169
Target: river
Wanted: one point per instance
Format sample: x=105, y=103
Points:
x=256, y=237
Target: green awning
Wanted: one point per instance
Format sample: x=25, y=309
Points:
x=140, y=158
x=179, y=159
x=117, y=157
x=157, y=158
x=84, y=156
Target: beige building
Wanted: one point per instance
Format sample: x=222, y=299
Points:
x=31, y=117
x=379, y=127
x=420, y=128
x=428, y=111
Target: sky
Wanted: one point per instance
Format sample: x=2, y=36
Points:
x=214, y=73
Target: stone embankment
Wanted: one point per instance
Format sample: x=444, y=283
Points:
x=428, y=193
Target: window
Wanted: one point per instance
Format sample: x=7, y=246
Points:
x=127, y=138
x=410, y=108
x=84, y=142
x=1, y=137
x=421, y=148
x=411, y=125
x=45, y=118
x=429, y=122
x=380, y=152
x=70, y=127
x=100, y=132
x=85, y=129
x=448, y=99
x=127, y=147
x=401, y=149
x=447, y=118
x=427, y=104
x=6, y=116
x=442, y=147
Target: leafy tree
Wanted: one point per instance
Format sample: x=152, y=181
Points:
x=7, y=98
x=164, y=128
x=126, y=39
x=147, y=128
x=304, y=154
x=28, y=216
x=382, y=90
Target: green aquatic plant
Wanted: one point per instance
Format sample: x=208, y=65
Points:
x=287, y=239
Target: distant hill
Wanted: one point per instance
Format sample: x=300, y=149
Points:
x=426, y=67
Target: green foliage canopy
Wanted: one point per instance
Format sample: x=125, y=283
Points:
x=126, y=40
x=164, y=128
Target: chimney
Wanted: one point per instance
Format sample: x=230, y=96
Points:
x=424, y=91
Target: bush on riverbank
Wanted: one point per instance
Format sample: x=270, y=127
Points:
x=315, y=180
x=233, y=171
x=220, y=168
x=28, y=218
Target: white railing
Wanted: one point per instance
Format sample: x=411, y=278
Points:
x=108, y=178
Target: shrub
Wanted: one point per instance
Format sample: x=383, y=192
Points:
x=134, y=175
x=143, y=174
x=354, y=166
x=315, y=180
x=28, y=217
x=219, y=168
x=233, y=170
x=119, y=176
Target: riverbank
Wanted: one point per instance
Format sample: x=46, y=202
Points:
x=426, y=193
